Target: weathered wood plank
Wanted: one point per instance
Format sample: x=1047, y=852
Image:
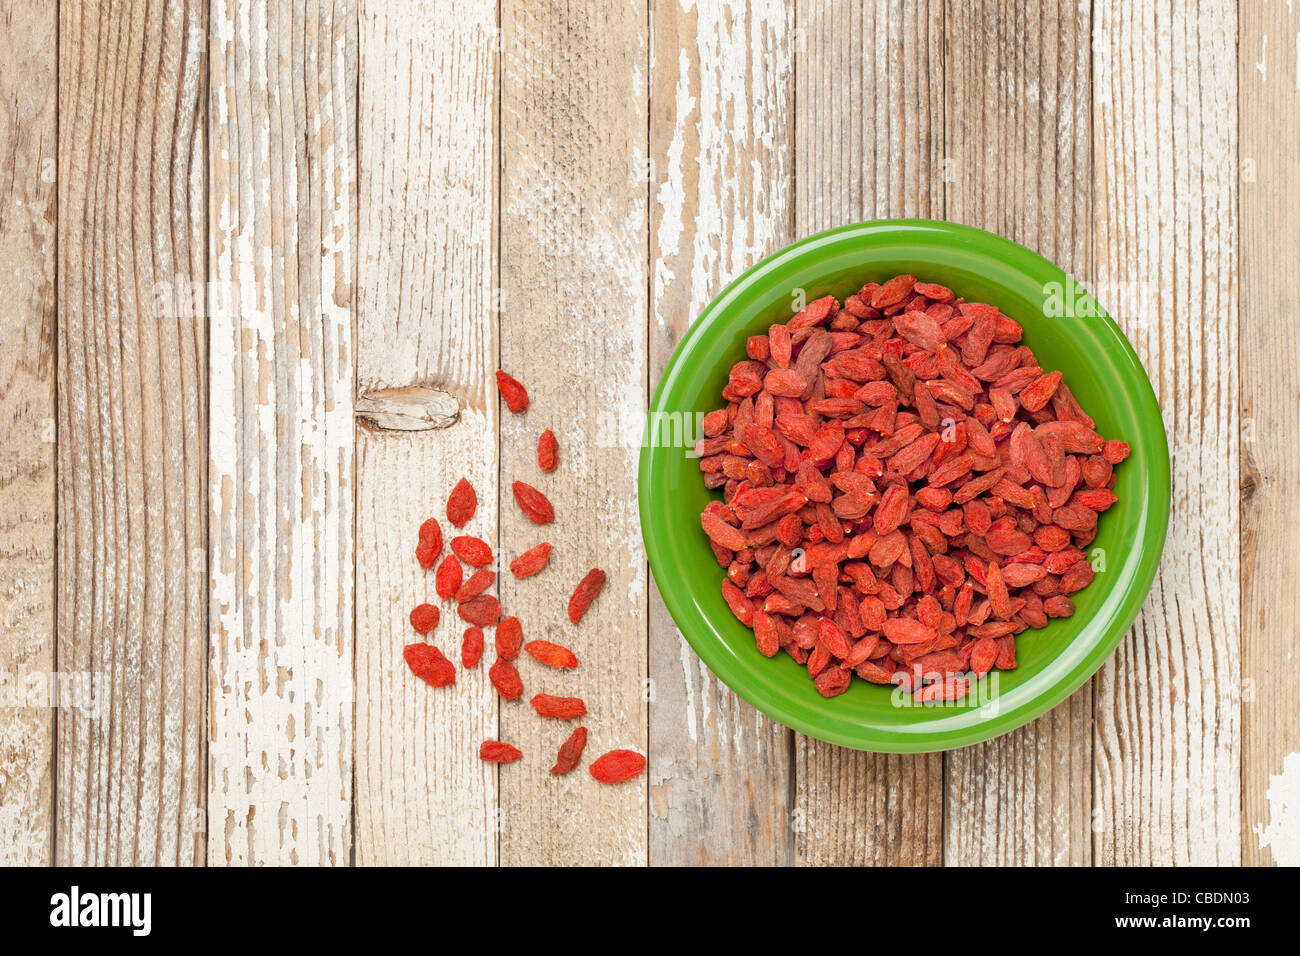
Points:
x=1269, y=94
x=425, y=314
x=1017, y=97
x=722, y=135
x=868, y=145
x=1167, y=775
x=28, y=141
x=282, y=156
x=574, y=237
x=132, y=529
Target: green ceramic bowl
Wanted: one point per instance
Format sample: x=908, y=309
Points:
x=1065, y=331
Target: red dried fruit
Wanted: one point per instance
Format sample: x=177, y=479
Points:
x=461, y=503
x=585, y=593
x=548, y=451
x=506, y=680
x=430, y=541
x=426, y=554
x=938, y=483
x=473, y=551
x=424, y=618
x=570, y=751
x=494, y=751
x=531, y=561
x=478, y=582
x=447, y=580
x=516, y=395
x=561, y=708
x=535, y=505
x=617, y=766
x=509, y=638
x=552, y=655
x=482, y=611
x=471, y=648
x=429, y=664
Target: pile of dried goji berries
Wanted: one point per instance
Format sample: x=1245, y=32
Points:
x=904, y=489
x=480, y=610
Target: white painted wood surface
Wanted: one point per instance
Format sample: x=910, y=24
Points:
x=1167, y=752
x=426, y=314
x=722, y=132
x=574, y=310
x=131, y=384
x=28, y=138
x=282, y=215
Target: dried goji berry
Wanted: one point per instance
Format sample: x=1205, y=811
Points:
x=548, y=451
x=430, y=665
x=570, y=751
x=493, y=751
x=562, y=708
x=506, y=680
x=509, y=638
x=535, y=505
x=478, y=582
x=531, y=561
x=426, y=554
x=552, y=655
x=447, y=579
x=461, y=503
x=431, y=535
x=473, y=551
x=940, y=484
x=617, y=766
x=585, y=593
x=424, y=618
x=471, y=648
x=482, y=611
x=516, y=395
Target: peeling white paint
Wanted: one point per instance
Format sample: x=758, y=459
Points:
x=1282, y=833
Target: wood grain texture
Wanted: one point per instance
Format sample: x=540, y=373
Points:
x=425, y=314
x=131, y=554
x=1167, y=785
x=1016, y=104
x=28, y=143
x=722, y=136
x=574, y=236
x=1269, y=93
x=868, y=145
x=282, y=247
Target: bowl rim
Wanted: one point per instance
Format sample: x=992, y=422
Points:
x=1030, y=700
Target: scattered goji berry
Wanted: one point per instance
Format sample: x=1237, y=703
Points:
x=516, y=395
x=425, y=554
x=461, y=503
x=482, y=611
x=471, y=648
x=431, y=534
x=535, y=505
x=552, y=655
x=617, y=766
x=494, y=751
x=509, y=638
x=424, y=618
x=505, y=678
x=430, y=665
x=570, y=751
x=548, y=451
x=562, y=708
x=478, y=582
x=531, y=561
x=585, y=593
x=473, y=551
x=447, y=579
